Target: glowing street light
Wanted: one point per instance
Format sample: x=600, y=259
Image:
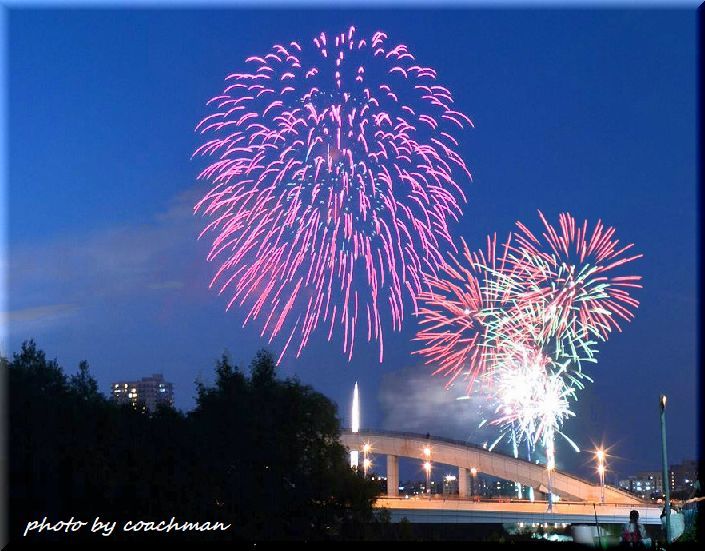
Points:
x=427, y=468
x=365, y=460
x=600, y=454
x=473, y=472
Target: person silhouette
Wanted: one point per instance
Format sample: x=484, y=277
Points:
x=633, y=534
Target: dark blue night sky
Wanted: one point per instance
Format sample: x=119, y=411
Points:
x=592, y=112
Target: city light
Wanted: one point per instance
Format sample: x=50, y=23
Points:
x=366, y=463
x=427, y=451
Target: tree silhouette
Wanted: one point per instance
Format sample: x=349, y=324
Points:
x=257, y=452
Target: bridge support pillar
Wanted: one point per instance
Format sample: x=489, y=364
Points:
x=462, y=482
x=392, y=476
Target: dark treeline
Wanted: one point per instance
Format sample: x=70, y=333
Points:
x=257, y=452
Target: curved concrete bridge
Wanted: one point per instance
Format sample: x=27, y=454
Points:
x=466, y=456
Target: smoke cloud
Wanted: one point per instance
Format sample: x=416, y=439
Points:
x=413, y=401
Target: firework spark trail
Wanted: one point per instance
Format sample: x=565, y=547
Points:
x=332, y=162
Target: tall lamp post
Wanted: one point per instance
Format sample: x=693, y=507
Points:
x=427, y=468
x=473, y=472
x=666, y=481
x=550, y=465
x=600, y=454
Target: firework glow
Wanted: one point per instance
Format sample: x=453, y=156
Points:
x=333, y=180
x=532, y=398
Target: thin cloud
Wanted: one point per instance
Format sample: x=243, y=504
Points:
x=166, y=285
x=33, y=319
x=39, y=313
x=113, y=264
x=160, y=262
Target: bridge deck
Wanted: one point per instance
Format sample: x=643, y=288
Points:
x=439, y=510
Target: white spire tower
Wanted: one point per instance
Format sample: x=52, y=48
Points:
x=355, y=425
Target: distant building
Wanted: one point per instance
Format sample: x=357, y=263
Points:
x=501, y=488
x=450, y=485
x=480, y=485
x=650, y=483
x=381, y=481
x=416, y=488
x=684, y=476
x=643, y=484
x=147, y=393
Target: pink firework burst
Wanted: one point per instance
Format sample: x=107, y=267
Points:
x=333, y=179
x=455, y=328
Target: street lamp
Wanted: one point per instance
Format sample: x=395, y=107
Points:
x=427, y=467
x=365, y=466
x=473, y=472
x=365, y=460
x=600, y=454
x=665, y=478
x=550, y=465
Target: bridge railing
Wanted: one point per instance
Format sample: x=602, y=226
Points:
x=478, y=499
